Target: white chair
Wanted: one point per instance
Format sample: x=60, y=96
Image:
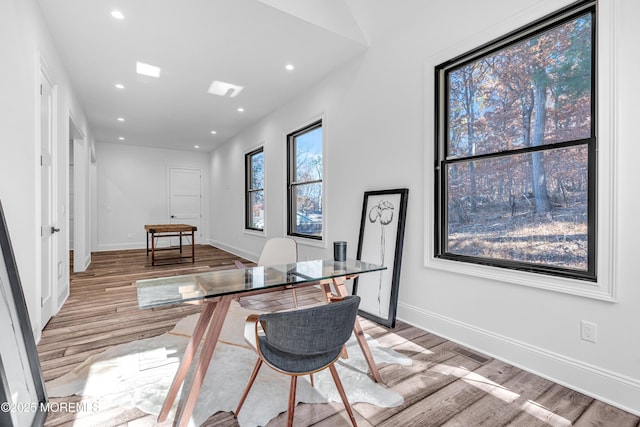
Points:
x=278, y=250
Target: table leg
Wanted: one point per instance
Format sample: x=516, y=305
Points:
x=153, y=249
x=326, y=291
x=187, y=358
x=357, y=330
x=180, y=233
x=209, y=345
x=193, y=247
x=147, y=243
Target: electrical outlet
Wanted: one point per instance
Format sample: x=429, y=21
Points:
x=588, y=331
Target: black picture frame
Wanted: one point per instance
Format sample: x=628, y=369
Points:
x=381, y=239
x=22, y=389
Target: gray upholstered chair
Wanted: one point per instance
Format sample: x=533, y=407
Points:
x=302, y=342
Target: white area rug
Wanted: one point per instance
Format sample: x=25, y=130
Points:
x=139, y=374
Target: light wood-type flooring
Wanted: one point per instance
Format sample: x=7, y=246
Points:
x=447, y=384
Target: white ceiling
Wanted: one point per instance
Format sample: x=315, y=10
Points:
x=243, y=42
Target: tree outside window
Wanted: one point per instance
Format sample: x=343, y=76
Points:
x=254, y=184
x=305, y=210
x=515, y=168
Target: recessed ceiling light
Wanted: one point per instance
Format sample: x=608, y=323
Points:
x=240, y=109
x=147, y=70
x=121, y=138
x=213, y=132
x=117, y=14
x=121, y=119
x=196, y=146
x=119, y=86
x=289, y=67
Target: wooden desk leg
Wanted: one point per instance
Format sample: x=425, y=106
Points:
x=187, y=358
x=326, y=291
x=357, y=330
x=153, y=249
x=193, y=247
x=147, y=243
x=209, y=345
x=180, y=242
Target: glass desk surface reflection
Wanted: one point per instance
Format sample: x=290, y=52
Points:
x=200, y=286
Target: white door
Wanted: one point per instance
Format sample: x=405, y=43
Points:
x=185, y=198
x=48, y=228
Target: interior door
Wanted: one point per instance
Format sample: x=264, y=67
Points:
x=48, y=228
x=185, y=198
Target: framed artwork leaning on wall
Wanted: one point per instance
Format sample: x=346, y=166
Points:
x=381, y=239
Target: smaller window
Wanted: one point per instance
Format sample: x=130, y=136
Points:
x=254, y=185
x=304, y=171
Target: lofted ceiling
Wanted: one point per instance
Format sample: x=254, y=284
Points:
x=246, y=43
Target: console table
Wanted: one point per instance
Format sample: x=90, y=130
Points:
x=170, y=230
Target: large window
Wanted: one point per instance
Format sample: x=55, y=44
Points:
x=254, y=185
x=515, y=166
x=304, y=171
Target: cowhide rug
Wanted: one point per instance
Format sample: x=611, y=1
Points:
x=138, y=374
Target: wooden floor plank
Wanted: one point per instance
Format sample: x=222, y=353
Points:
x=447, y=384
x=501, y=407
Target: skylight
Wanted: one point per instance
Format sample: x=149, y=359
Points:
x=223, y=89
x=117, y=14
x=147, y=70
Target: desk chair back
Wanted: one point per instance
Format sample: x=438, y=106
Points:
x=279, y=250
x=302, y=342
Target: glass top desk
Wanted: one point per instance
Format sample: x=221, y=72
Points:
x=216, y=290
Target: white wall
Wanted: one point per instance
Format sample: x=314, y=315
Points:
x=132, y=191
x=24, y=40
x=375, y=120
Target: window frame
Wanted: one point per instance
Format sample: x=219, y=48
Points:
x=604, y=287
x=249, y=190
x=442, y=161
x=292, y=184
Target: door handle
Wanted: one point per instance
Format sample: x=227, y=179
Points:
x=173, y=216
x=54, y=230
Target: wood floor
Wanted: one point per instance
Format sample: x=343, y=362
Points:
x=447, y=385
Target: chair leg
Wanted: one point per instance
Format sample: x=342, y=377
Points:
x=343, y=395
x=252, y=378
x=292, y=400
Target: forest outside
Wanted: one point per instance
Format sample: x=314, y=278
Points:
x=518, y=161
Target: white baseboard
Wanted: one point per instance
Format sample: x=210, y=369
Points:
x=607, y=386
x=234, y=250
x=121, y=246
x=62, y=298
x=138, y=245
x=142, y=245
